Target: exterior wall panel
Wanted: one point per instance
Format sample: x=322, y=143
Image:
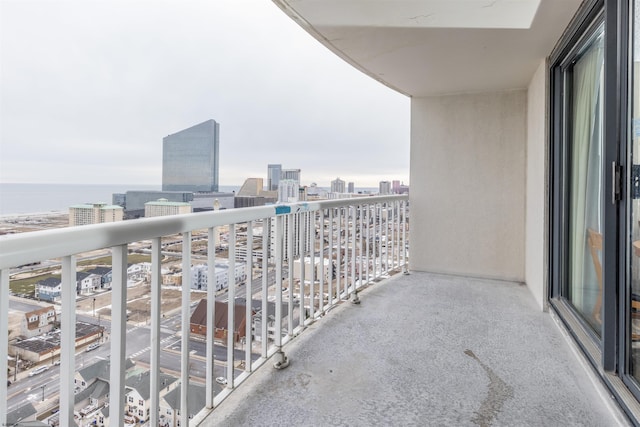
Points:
x=468, y=162
x=537, y=185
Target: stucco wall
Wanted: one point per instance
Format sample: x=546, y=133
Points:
x=468, y=184
x=536, y=263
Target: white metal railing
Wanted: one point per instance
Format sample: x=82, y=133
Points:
x=358, y=240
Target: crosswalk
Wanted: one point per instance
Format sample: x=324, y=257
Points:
x=144, y=350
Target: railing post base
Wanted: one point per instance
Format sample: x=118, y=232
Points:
x=281, y=360
x=356, y=299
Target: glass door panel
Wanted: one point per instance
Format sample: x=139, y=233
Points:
x=634, y=214
x=584, y=133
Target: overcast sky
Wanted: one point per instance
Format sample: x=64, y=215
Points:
x=90, y=88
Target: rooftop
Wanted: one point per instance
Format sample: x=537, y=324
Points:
x=427, y=349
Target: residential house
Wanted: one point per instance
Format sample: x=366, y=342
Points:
x=23, y=415
x=38, y=322
x=138, y=395
x=88, y=375
x=139, y=271
x=170, y=404
x=106, y=276
x=87, y=283
x=48, y=289
x=199, y=320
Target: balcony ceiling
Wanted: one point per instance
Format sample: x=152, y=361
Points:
x=433, y=47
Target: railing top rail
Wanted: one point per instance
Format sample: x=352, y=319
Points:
x=24, y=248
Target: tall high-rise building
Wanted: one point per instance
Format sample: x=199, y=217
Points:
x=273, y=177
x=190, y=158
x=288, y=191
x=337, y=186
x=293, y=174
x=351, y=187
x=395, y=184
x=385, y=187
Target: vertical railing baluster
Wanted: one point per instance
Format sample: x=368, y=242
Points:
x=367, y=213
x=186, y=311
x=322, y=259
x=339, y=255
x=4, y=343
x=397, y=225
x=265, y=287
x=279, y=233
x=290, y=257
x=380, y=235
x=393, y=241
x=404, y=236
x=118, y=334
x=211, y=312
x=231, y=305
x=352, y=210
x=360, y=237
x=301, y=245
x=312, y=261
x=331, y=270
x=248, y=343
x=154, y=362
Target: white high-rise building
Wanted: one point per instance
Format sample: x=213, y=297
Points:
x=385, y=188
x=96, y=213
x=288, y=191
x=337, y=186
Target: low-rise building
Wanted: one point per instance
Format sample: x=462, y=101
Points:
x=200, y=277
x=95, y=213
x=38, y=322
x=198, y=323
x=87, y=283
x=106, y=276
x=170, y=404
x=49, y=289
x=164, y=207
x=138, y=394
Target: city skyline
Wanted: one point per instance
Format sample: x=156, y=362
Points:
x=109, y=84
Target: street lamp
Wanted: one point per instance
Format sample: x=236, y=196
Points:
x=94, y=307
x=43, y=386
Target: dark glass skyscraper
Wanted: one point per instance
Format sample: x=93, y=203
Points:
x=190, y=158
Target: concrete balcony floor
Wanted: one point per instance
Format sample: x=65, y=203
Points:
x=428, y=350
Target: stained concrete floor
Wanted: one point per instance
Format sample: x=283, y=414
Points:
x=426, y=350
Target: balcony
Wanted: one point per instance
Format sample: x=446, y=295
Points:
x=427, y=349
x=301, y=261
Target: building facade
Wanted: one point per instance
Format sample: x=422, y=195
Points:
x=273, y=177
x=163, y=207
x=384, y=188
x=337, y=186
x=96, y=213
x=288, y=191
x=190, y=158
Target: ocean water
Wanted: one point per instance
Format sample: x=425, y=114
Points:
x=18, y=198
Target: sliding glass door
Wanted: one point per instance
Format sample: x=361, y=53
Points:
x=583, y=136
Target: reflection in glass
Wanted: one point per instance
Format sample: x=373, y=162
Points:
x=585, y=137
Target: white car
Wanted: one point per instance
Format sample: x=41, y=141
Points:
x=92, y=346
x=38, y=370
x=221, y=380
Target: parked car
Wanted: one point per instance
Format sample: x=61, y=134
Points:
x=38, y=370
x=92, y=346
x=221, y=380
